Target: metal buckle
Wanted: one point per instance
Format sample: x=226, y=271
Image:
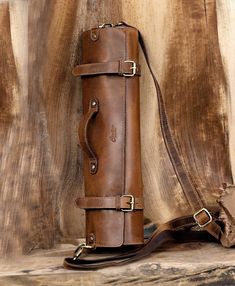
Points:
x=208, y=214
x=133, y=68
x=132, y=203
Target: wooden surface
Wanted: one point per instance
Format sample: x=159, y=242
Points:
x=226, y=25
x=182, y=41
x=178, y=265
x=16, y=148
x=191, y=46
x=40, y=105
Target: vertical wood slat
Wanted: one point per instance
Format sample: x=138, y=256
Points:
x=40, y=104
x=14, y=145
x=226, y=30
x=40, y=108
x=182, y=41
x=158, y=175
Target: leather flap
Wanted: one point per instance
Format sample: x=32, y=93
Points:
x=105, y=227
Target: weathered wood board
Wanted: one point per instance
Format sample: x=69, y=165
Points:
x=182, y=40
x=40, y=107
x=16, y=147
x=226, y=30
x=191, y=47
x=178, y=265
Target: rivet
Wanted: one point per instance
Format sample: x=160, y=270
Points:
x=93, y=103
x=94, y=35
x=93, y=167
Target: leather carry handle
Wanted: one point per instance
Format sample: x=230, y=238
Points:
x=83, y=134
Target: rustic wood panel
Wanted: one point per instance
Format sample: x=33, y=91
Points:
x=40, y=104
x=177, y=266
x=226, y=28
x=14, y=143
x=182, y=40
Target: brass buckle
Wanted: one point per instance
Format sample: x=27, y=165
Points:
x=132, y=203
x=207, y=213
x=133, y=68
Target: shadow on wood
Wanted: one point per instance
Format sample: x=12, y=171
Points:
x=40, y=106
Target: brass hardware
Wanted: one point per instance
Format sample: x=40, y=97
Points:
x=93, y=166
x=94, y=35
x=132, y=203
x=106, y=25
x=133, y=68
x=119, y=24
x=93, y=102
x=113, y=136
x=91, y=239
x=207, y=213
x=78, y=251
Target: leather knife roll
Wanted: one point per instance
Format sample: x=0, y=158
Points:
x=109, y=134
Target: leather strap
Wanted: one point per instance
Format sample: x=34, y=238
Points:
x=124, y=203
x=170, y=230
x=205, y=220
x=189, y=190
x=167, y=232
x=194, y=200
x=116, y=67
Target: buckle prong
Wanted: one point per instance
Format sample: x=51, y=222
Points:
x=132, y=203
x=133, y=68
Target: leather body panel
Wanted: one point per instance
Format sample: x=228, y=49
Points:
x=114, y=135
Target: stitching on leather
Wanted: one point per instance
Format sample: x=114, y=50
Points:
x=124, y=149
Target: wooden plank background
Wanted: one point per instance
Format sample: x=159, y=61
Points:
x=178, y=265
x=191, y=46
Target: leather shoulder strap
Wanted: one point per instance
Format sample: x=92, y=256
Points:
x=175, y=230
x=189, y=190
x=170, y=230
x=201, y=215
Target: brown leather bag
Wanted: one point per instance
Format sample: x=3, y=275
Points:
x=109, y=134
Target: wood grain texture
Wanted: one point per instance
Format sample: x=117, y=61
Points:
x=178, y=265
x=182, y=40
x=226, y=27
x=40, y=105
x=159, y=179
x=8, y=80
x=14, y=143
